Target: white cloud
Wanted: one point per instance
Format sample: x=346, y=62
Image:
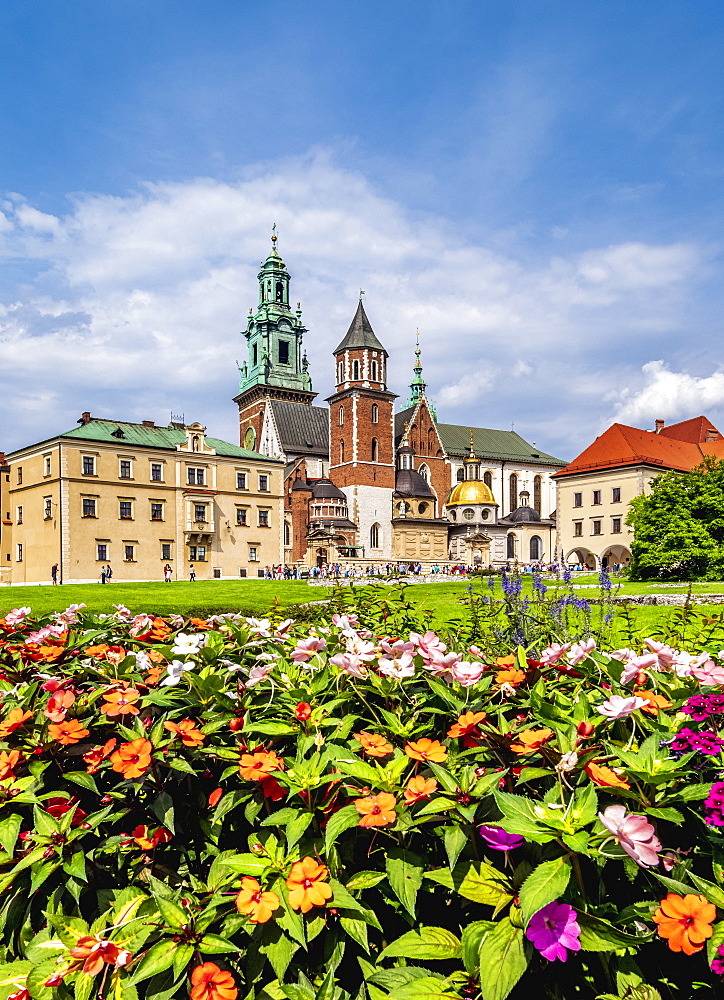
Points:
x=132, y=306
x=669, y=395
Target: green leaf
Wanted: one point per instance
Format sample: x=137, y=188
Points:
x=344, y=900
x=518, y=817
x=171, y=912
x=484, y=884
x=214, y=944
x=455, y=839
x=278, y=948
x=357, y=930
x=271, y=728
x=667, y=813
x=426, y=986
x=712, y=892
x=75, y=866
x=162, y=808
x=246, y=864
x=691, y=793
x=298, y=827
x=472, y=938
x=544, y=884
x=600, y=935
x=365, y=880
x=338, y=822
x=181, y=958
x=427, y=943
x=157, y=959
x=503, y=960
x=355, y=768
x=83, y=779
x=404, y=870
x=9, y=830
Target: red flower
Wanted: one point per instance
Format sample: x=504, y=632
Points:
x=8, y=763
x=95, y=757
x=271, y=789
x=147, y=838
x=302, y=711
x=58, y=705
x=215, y=796
x=57, y=806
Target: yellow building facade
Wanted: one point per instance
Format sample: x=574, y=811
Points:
x=138, y=498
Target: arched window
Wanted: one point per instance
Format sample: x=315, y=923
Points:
x=538, y=495
x=375, y=413
x=340, y=371
x=461, y=475
x=488, y=479
x=287, y=534
x=421, y=508
x=355, y=371
x=536, y=548
x=254, y=355
x=341, y=452
x=280, y=291
x=341, y=416
x=375, y=536
x=374, y=371
x=513, y=492
x=374, y=450
x=510, y=547
x=424, y=472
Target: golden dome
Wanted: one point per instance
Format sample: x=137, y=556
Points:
x=471, y=491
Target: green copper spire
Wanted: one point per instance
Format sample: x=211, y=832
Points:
x=417, y=386
x=274, y=333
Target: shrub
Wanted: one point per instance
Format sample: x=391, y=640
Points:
x=234, y=808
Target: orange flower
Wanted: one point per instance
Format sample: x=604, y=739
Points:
x=419, y=788
x=259, y=905
x=105, y=652
x=685, y=921
x=374, y=745
x=153, y=676
x=8, y=763
x=199, y=623
x=64, y=733
x=376, y=810
x=132, y=759
x=512, y=676
x=425, y=749
x=467, y=725
x=604, y=777
x=506, y=661
x=209, y=982
x=120, y=702
x=58, y=705
x=15, y=718
x=306, y=885
x=213, y=799
x=186, y=729
x=655, y=702
x=257, y=765
x=93, y=952
x=147, y=838
x=530, y=740
x=95, y=757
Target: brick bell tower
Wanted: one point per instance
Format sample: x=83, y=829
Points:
x=277, y=365
x=361, y=411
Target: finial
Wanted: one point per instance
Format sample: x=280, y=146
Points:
x=361, y=293
x=274, y=236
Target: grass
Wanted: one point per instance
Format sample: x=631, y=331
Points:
x=199, y=599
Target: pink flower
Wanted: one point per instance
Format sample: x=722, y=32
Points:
x=580, y=651
x=554, y=931
x=553, y=653
x=441, y=664
x=350, y=663
x=636, y=664
x=348, y=623
x=633, y=833
x=258, y=673
x=664, y=653
x=709, y=674
x=467, y=674
x=618, y=707
x=398, y=663
x=428, y=644
x=15, y=616
x=70, y=615
x=306, y=648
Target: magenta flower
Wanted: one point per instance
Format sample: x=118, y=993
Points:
x=634, y=834
x=554, y=931
x=498, y=840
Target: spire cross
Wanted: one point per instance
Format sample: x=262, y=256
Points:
x=274, y=236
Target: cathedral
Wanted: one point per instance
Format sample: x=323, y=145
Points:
x=366, y=485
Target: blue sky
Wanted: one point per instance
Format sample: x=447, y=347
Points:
x=536, y=185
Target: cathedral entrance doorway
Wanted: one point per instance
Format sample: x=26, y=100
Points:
x=321, y=557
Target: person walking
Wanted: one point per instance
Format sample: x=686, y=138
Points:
x=103, y=574
x=192, y=574
x=167, y=573
x=109, y=574
x=54, y=574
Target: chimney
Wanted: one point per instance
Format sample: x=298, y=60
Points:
x=84, y=417
x=148, y=423
x=709, y=435
x=660, y=426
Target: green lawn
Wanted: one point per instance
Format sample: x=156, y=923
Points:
x=199, y=599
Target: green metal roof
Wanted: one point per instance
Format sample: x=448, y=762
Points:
x=489, y=443
x=141, y=436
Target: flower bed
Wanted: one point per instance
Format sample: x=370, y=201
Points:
x=251, y=808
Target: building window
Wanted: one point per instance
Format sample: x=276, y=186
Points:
x=48, y=508
x=468, y=513
x=254, y=352
x=101, y=552
x=596, y=497
x=195, y=477
x=253, y=556
x=616, y=494
x=19, y=552
x=89, y=507
x=341, y=416
x=264, y=518
x=125, y=511
x=287, y=534
x=578, y=529
x=424, y=472
x=157, y=512
x=375, y=413
x=536, y=548
x=422, y=508
x=283, y=351
x=125, y=469
x=577, y=499
x=241, y=481
x=89, y=465
x=510, y=547
x=488, y=479
x=20, y=480
x=241, y=517
x=538, y=494
x=596, y=528
x=129, y=553
x=166, y=550
x=19, y=515
x=513, y=492
x=341, y=452
x=263, y=484
x=616, y=526
x=375, y=536
x=373, y=450
x=340, y=372
x=200, y=512
x=374, y=372
x=48, y=466
x=156, y=472
x=197, y=553
x=355, y=371
x=460, y=476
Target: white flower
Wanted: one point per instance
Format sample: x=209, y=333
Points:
x=176, y=670
x=568, y=761
x=261, y=626
x=187, y=645
x=580, y=651
x=258, y=673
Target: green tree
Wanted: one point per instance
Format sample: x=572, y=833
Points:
x=679, y=526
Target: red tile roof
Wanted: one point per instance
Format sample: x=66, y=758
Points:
x=623, y=445
x=694, y=431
